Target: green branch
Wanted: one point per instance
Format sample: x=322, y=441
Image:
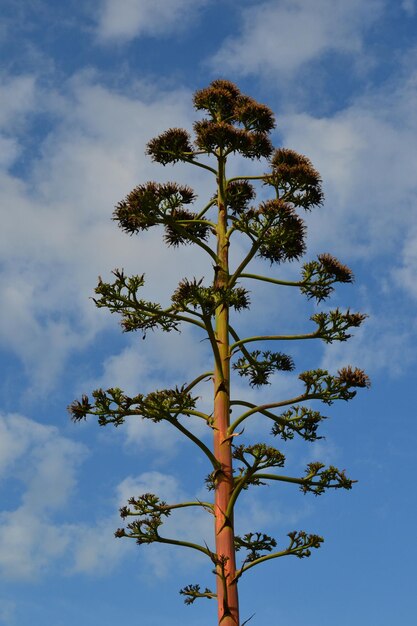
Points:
x=275, y=281
x=264, y=407
x=175, y=542
x=197, y=441
x=242, y=348
x=206, y=208
x=300, y=545
x=213, y=342
x=231, y=180
x=239, y=486
x=206, y=167
x=195, y=413
x=171, y=507
x=197, y=380
x=241, y=342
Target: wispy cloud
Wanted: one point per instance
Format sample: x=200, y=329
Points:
x=280, y=38
x=57, y=236
x=123, y=20
x=409, y=6
x=44, y=463
x=367, y=156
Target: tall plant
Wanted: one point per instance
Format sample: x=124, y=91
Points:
x=274, y=231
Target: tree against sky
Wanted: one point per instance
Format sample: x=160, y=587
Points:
x=274, y=231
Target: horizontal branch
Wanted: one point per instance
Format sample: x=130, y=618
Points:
x=286, y=479
x=263, y=408
x=196, y=220
x=200, y=414
x=176, y=542
x=264, y=558
x=241, y=342
x=231, y=180
x=171, y=507
x=275, y=281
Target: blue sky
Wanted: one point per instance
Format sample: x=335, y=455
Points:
x=83, y=87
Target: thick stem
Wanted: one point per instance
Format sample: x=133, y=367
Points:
x=227, y=596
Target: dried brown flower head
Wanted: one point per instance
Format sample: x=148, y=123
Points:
x=354, y=377
x=296, y=179
x=334, y=267
x=170, y=147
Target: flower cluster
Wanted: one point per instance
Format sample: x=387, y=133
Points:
x=110, y=406
x=318, y=277
x=329, y=478
x=238, y=195
x=224, y=102
x=121, y=297
x=146, y=504
x=301, y=542
x=332, y=325
x=277, y=228
x=192, y=592
x=258, y=366
x=145, y=531
x=263, y=456
x=236, y=122
x=170, y=147
x=254, y=543
x=295, y=179
x=321, y=385
x=191, y=293
x=151, y=204
x=298, y=419
x=113, y=406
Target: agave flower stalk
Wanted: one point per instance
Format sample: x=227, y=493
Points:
x=274, y=230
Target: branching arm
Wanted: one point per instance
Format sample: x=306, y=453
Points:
x=241, y=342
x=275, y=281
x=237, y=178
x=300, y=546
x=248, y=258
x=263, y=409
x=197, y=441
x=193, y=383
x=173, y=542
x=330, y=478
x=206, y=208
x=165, y=508
x=198, y=164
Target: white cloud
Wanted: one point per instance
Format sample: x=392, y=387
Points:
x=282, y=37
x=406, y=273
x=57, y=236
x=126, y=19
x=17, y=96
x=367, y=157
x=409, y=6
x=137, y=369
x=44, y=463
x=189, y=524
x=28, y=544
x=37, y=453
x=375, y=347
x=93, y=549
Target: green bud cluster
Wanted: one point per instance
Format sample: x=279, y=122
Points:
x=259, y=366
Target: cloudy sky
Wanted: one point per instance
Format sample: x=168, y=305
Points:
x=83, y=87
